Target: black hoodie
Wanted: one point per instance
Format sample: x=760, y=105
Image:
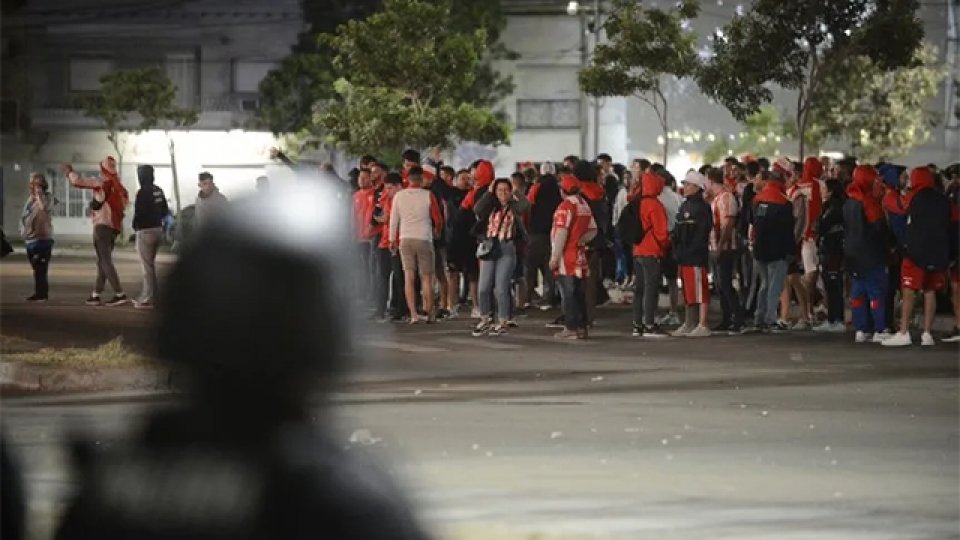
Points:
x=151, y=204
x=691, y=236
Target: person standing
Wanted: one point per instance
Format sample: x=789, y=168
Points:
x=772, y=234
x=795, y=270
x=573, y=228
x=865, y=250
x=107, y=207
x=648, y=255
x=209, y=200
x=415, y=220
x=149, y=210
x=500, y=217
x=723, y=249
x=691, y=249
x=544, y=197
x=36, y=230
x=830, y=242
x=671, y=201
x=367, y=234
x=926, y=254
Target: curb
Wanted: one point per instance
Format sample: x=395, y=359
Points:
x=51, y=379
x=118, y=254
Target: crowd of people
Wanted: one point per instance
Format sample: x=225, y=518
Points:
x=784, y=246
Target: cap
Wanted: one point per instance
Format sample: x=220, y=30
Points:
x=569, y=184
x=695, y=178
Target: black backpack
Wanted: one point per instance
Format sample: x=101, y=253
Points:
x=628, y=226
x=602, y=217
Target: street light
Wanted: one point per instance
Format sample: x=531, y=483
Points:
x=573, y=8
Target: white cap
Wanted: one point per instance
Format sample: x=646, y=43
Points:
x=547, y=168
x=695, y=178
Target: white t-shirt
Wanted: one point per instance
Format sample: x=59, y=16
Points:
x=410, y=214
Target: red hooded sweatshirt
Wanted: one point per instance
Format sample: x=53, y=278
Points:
x=364, y=202
x=921, y=178
x=861, y=190
x=809, y=184
x=484, y=177
x=592, y=191
x=653, y=219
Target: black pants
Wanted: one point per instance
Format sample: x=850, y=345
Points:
x=646, y=289
x=398, y=302
x=729, y=301
x=833, y=282
x=39, y=253
x=384, y=266
x=538, y=262
x=893, y=285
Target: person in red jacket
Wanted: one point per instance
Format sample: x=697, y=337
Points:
x=809, y=185
x=573, y=227
x=366, y=230
x=647, y=257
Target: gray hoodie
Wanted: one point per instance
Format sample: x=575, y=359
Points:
x=35, y=221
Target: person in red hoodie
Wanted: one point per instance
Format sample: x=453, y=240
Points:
x=366, y=230
x=390, y=279
x=647, y=257
x=811, y=188
x=483, y=175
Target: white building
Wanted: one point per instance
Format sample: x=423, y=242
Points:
x=215, y=51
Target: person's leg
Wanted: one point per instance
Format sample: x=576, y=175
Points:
x=148, y=243
x=777, y=274
x=569, y=302
x=506, y=265
x=485, y=287
x=833, y=281
x=453, y=290
x=955, y=299
x=763, y=284
x=592, y=284
x=101, y=246
x=858, y=305
x=382, y=285
x=580, y=322
x=32, y=258
x=408, y=257
x=108, y=267
x=398, y=297
x=876, y=283
x=893, y=286
x=784, y=301
x=906, y=309
x=728, y=295
x=651, y=286
x=929, y=310
x=803, y=297
x=638, y=291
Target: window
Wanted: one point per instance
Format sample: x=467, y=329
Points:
x=548, y=113
x=70, y=202
x=182, y=70
x=247, y=75
x=85, y=73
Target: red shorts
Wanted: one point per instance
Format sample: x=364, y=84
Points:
x=696, y=289
x=915, y=278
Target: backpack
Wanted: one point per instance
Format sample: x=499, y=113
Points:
x=602, y=217
x=628, y=226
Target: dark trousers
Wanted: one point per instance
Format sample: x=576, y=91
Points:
x=747, y=274
x=574, y=301
x=398, y=302
x=729, y=300
x=893, y=285
x=833, y=283
x=538, y=262
x=39, y=253
x=384, y=265
x=103, y=241
x=646, y=289
x=593, y=284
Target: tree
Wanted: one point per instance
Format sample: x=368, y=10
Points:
x=645, y=48
x=305, y=77
x=147, y=93
x=415, y=92
x=794, y=44
x=763, y=131
x=882, y=113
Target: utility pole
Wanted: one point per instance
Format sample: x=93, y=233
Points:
x=584, y=100
x=596, y=99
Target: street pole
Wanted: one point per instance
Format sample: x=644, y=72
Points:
x=584, y=126
x=596, y=99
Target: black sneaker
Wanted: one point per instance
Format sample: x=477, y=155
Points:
x=94, y=300
x=736, y=329
x=637, y=330
x=483, y=327
x=780, y=328
x=559, y=322
x=443, y=314
x=722, y=328
x=118, y=300
x=36, y=299
x=654, y=331
x=953, y=337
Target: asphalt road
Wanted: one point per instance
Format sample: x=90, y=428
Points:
x=794, y=436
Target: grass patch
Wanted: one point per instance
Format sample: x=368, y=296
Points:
x=11, y=345
x=113, y=354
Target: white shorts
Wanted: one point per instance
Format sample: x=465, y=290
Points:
x=808, y=253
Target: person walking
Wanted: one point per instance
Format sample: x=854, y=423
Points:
x=415, y=220
x=500, y=220
x=691, y=249
x=110, y=199
x=772, y=234
x=149, y=210
x=36, y=230
x=573, y=228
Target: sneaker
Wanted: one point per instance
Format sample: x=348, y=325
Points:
x=608, y=283
x=899, y=340
x=557, y=323
x=838, y=328
x=782, y=327
x=953, y=337
x=737, y=329
x=497, y=330
x=546, y=307
x=683, y=331
x=482, y=327
x=566, y=334
x=670, y=319
x=36, y=299
x=118, y=300
x=143, y=305
x=452, y=314
x=722, y=328
x=824, y=327
x=94, y=300
x=700, y=332
x=862, y=337
x=763, y=328
x=511, y=324
x=637, y=330
x=654, y=332
x=475, y=313
x=582, y=333
x=801, y=326
x=927, y=340
x=442, y=314
x=880, y=337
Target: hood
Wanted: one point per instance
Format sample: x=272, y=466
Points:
x=812, y=169
x=921, y=178
x=863, y=178
x=585, y=171
x=890, y=175
x=108, y=168
x=484, y=174
x=651, y=184
x=592, y=191
x=145, y=175
x=569, y=184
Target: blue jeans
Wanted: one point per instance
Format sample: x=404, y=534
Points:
x=573, y=297
x=496, y=277
x=868, y=296
x=39, y=252
x=772, y=276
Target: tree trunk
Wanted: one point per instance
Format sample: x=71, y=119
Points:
x=665, y=126
x=173, y=172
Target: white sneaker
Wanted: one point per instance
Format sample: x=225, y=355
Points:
x=927, y=340
x=454, y=314
x=862, y=337
x=475, y=314
x=801, y=326
x=880, y=337
x=670, y=319
x=824, y=327
x=700, y=332
x=683, y=331
x=838, y=328
x=898, y=340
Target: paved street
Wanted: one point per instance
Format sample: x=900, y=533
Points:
x=754, y=437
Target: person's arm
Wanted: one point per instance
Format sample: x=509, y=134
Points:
x=562, y=219
x=522, y=205
x=484, y=205
x=591, y=232
x=435, y=215
x=727, y=223
x=276, y=153
x=799, y=215
x=81, y=182
x=394, y=218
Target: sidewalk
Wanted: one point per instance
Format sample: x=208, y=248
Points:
x=124, y=253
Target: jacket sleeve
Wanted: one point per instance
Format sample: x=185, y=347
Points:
x=141, y=207
x=436, y=217
x=532, y=194
x=657, y=218
x=484, y=206
x=522, y=205
x=394, y=220
x=81, y=182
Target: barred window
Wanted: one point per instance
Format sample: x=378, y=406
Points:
x=548, y=113
x=71, y=202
